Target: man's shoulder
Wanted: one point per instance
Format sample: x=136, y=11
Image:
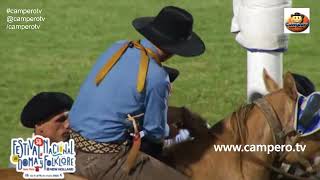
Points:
x=156, y=71
x=157, y=76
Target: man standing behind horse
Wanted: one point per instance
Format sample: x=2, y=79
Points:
x=127, y=89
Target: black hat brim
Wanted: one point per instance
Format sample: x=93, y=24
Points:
x=172, y=72
x=193, y=46
x=304, y=85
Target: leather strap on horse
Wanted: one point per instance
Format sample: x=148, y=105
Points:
x=292, y=143
x=278, y=136
x=310, y=169
x=277, y=170
x=135, y=149
x=143, y=67
x=274, y=123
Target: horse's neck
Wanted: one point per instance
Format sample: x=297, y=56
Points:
x=254, y=127
x=255, y=131
x=259, y=131
x=223, y=132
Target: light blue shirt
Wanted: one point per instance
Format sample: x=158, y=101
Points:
x=99, y=112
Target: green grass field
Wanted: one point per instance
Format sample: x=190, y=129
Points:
x=59, y=55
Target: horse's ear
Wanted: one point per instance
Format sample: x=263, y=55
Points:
x=289, y=86
x=270, y=84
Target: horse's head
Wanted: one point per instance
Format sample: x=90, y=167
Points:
x=284, y=101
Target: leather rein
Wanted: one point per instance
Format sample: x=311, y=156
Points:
x=280, y=135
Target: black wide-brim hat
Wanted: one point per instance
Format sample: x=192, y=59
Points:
x=171, y=31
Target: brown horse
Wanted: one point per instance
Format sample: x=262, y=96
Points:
x=248, y=125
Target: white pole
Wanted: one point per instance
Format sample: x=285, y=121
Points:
x=256, y=62
x=258, y=26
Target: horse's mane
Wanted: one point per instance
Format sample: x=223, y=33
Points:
x=178, y=157
x=238, y=121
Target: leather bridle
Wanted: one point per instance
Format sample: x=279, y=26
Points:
x=280, y=136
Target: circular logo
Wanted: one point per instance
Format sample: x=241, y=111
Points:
x=297, y=22
x=38, y=141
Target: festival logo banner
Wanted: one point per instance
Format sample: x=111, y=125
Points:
x=37, y=158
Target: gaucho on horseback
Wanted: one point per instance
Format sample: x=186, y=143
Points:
x=122, y=105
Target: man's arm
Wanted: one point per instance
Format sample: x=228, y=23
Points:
x=156, y=106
